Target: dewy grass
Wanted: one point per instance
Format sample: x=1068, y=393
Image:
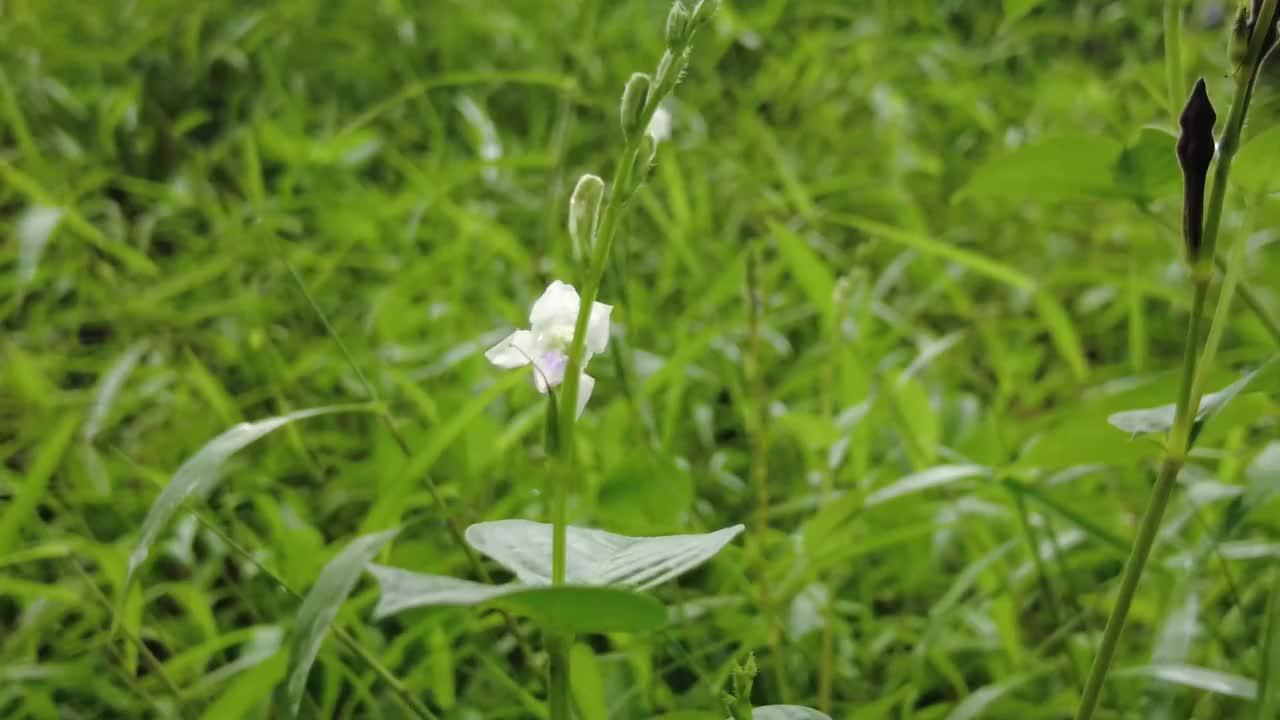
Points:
x=998, y=175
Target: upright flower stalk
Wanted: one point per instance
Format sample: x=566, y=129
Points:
x=1195, y=152
x=559, y=350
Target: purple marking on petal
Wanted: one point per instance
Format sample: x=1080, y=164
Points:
x=550, y=369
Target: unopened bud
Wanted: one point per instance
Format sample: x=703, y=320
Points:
x=679, y=25
x=584, y=212
x=634, y=96
x=644, y=160
x=703, y=11
x=1195, y=153
x=1238, y=41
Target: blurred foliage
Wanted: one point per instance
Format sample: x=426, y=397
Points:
x=968, y=217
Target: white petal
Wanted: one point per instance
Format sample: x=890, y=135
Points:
x=585, y=386
x=598, y=327
x=557, y=306
x=515, y=350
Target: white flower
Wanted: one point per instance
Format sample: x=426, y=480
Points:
x=546, y=343
x=660, y=124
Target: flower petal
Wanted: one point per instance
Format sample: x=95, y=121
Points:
x=598, y=327
x=585, y=386
x=515, y=350
x=557, y=306
x=548, y=369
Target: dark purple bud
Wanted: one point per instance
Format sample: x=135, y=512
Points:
x=1195, y=153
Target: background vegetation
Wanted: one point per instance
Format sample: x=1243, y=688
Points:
x=962, y=220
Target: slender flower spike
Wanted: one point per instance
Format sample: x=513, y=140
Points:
x=545, y=344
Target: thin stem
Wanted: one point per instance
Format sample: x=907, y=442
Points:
x=1180, y=434
x=402, y=692
x=1128, y=585
x=758, y=429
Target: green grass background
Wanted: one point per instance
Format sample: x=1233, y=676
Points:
x=966, y=247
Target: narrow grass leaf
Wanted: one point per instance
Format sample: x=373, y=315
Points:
x=1193, y=676
x=807, y=268
x=1069, y=166
x=979, y=703
x=110, y=386
x=925, y=480
x=31, y=489
x=786, y=712
x=201, y=473
x=321, y=605
x=595, y=557
x=1269, y=677
x=35, y=227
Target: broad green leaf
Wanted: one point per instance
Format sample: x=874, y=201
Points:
x=1058, y=168
x=321, y=605
x=400, y=590
x=563, y=608
x=1160, y=419
x=1255, y=165
x=577, y=609
x=1192, y=676
x=1148, y=168
x=35, y=227
x=595, y=557
x=201, y=472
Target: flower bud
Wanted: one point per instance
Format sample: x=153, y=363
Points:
x=634, y=96
x=1195, y=152
x=679, y=25
x=584, y=212
x=703, y=11
x=644, y=159
x=1238, y=41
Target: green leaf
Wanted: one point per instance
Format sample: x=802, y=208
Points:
x=1269, y=677
x=1148, y=168
x=1255, y=165
x=1057, y=168
x=201, y=473
x=595, y=557
x=1196, y=677
x=1015, y=10
x=976, y=705
x=1063, y=332
x=248, y=690
x=577, y=609
x=786, y=712
x=563, y=608
x=35, y=227
x=321, y=605
x=925, y=480
x=587, y=683
x=807, y=269
x=46, y=459
x=1160, y=419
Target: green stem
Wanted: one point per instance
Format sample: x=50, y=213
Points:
x=1188, y=402
x=1128, y=585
